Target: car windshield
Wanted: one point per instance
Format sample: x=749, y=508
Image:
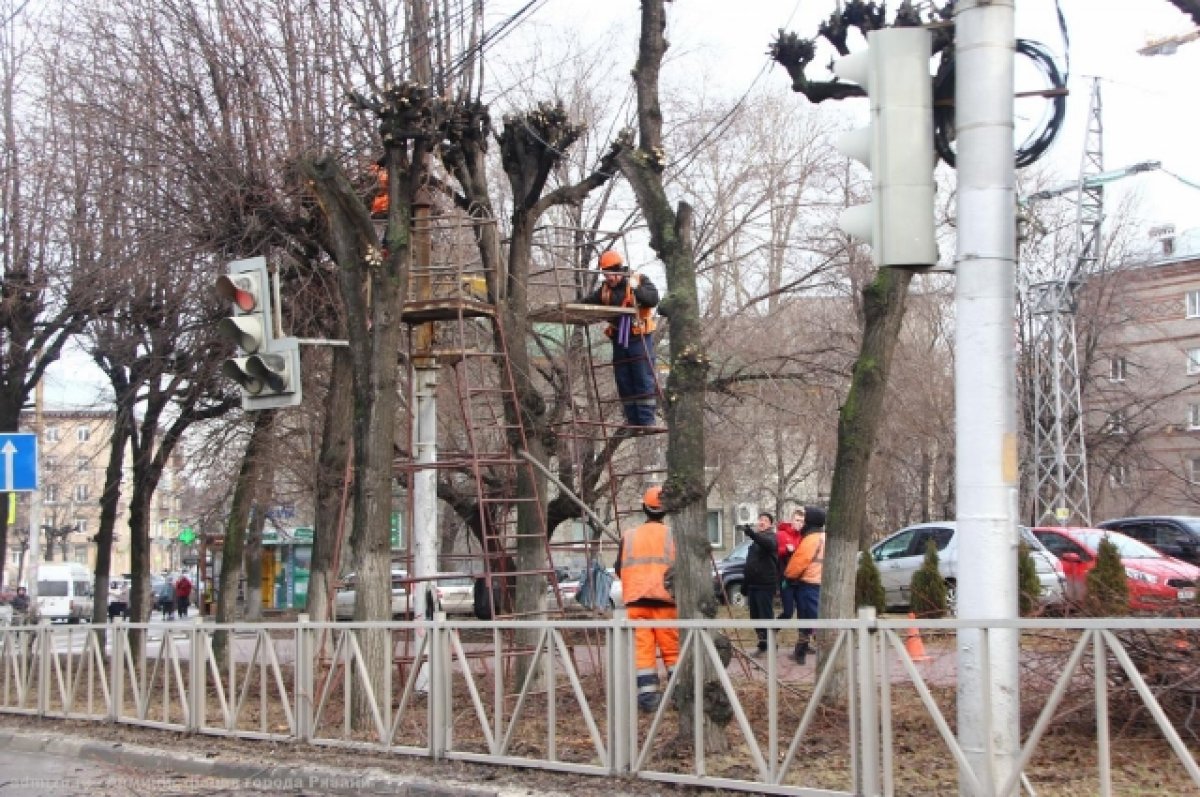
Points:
x=1192, y=524
x=1127, y=547
x=738, y=553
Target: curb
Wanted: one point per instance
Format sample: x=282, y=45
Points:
x=240, y=774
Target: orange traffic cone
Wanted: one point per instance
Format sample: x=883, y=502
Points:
x=913, y=644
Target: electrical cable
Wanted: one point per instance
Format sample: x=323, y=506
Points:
x=1036, y=144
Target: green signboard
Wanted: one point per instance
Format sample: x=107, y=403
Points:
x=187, y=536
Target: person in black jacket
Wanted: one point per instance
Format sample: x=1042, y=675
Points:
x=762, y=575
x=632, y=336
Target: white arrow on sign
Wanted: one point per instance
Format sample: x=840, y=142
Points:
x=8, y=451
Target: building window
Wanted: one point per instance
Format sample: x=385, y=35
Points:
x=1193, y=416
x=1194, y=470
x=1193, y=364
x=1193, y=304
x=81, y=554
x=714, y=528
x=81, y=463
x=81, y=492
x=1119, y=476
x=1116, y=369
x=50, y=463
x=50, y=493
x=82, y=434
x=51, y=434
x=81, y=525
x=1116, y=423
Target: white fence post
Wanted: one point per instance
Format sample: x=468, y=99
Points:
x=868, y=702
x=118, y=632
x=196, y=687
x=45, y=648
x=620, y=746
x=305, y=655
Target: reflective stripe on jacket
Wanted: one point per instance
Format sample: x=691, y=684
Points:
x=643, y=322
x=647, y=552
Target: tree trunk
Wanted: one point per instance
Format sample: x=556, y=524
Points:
x=235, y=524
x=252, y=558
x=884, y=302
x=332, y=475
x=684, y=492
x=109, y=500
x=373, y=285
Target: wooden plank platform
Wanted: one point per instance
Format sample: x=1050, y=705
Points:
x=572, y=313
x=444, y=310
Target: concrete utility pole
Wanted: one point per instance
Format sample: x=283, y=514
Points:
x=985, y=392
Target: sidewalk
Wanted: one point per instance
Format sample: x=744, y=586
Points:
x=208, y=772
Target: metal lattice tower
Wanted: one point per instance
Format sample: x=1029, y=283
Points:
x=1060, y=453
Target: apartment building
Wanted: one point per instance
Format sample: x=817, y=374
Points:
x=73, y=455
x=1144, y=408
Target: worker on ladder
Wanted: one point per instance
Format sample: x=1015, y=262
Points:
x=632, y=336
x=644, y=564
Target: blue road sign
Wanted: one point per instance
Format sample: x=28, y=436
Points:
x=18, y=463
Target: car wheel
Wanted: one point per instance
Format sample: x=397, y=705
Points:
x=736, y=596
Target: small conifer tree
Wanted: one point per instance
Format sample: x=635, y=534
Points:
x=929, y=591
x=868, y=584
x=1107, y=585
x=1029, y=586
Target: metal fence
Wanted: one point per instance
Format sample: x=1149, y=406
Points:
x=561, y=695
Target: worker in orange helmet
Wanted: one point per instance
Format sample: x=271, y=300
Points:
x=645, y=562
x=632, y=336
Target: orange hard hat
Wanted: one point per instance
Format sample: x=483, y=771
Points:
x=611, y=259
x=652, y=500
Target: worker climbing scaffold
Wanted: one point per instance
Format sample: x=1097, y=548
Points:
x=632, y=336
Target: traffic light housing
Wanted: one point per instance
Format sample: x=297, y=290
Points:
x=269, y=370
x=897, y=146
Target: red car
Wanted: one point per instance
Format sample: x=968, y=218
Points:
x=1156, y=581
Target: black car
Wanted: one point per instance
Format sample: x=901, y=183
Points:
x=731, y=572
x=1173, y=535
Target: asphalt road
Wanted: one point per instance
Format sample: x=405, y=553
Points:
x=63, y=765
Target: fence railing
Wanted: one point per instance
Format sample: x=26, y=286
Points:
x=561, y=695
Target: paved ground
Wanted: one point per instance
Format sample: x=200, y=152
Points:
x=62, y=765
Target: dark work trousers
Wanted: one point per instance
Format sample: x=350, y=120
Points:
x=810, y=605
x=790, y=595
x=761, y=602
x=633, y=370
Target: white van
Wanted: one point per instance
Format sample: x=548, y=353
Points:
x=64, y=591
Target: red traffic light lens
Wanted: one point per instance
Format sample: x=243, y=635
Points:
x=241, y=290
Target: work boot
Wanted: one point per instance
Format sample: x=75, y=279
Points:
x=648, y=702
x=801, y=651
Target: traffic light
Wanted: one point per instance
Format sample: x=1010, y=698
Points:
x=897, y=147
x=269, y=371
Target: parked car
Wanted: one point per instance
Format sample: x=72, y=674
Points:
x=456, y=595
x=730, y=574
x=343, y=602
x=901, y=554
x=1173, y=535
x=64, y=591
x=1155, y=581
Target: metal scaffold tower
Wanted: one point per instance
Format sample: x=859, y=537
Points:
x=1059, y=448
x=464, y=431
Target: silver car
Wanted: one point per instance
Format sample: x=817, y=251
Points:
x=343, y=602
x=901, y=555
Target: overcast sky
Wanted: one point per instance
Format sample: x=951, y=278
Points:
x=1149, y=104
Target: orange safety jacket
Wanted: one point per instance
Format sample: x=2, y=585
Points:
x=643, y=322
x=807, y=562
x=647, y=552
